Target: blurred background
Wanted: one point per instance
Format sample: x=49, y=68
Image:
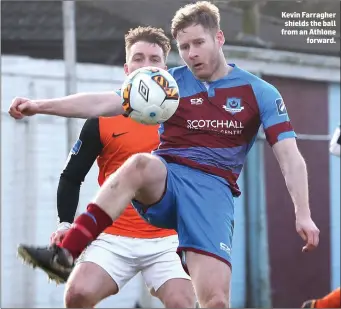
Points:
x=51, y=49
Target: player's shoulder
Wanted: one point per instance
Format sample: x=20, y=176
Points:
x=180, y=72
x=186, y=81
x=109, y=120
x=255, y=81
x=91, y=122
x=261, y=88
x=177, y=70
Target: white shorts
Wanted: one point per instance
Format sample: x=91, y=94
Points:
x=123, y=257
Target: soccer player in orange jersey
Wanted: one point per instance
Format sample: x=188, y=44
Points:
x=130, y=244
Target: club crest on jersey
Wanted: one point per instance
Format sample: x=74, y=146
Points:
x=281, y=109
x=233, y=105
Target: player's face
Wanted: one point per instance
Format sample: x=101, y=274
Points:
x=142, y=54
x=200, y=48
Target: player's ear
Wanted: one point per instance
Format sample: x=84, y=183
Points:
x=125, y=67
x=165, y=68
x=220, y=37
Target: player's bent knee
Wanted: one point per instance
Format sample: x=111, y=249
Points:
x=87, y=285
x=140, y=161
x=140, y=164
x=216, y=301
x=146, y=163
x=147, y=174
x=78, y=295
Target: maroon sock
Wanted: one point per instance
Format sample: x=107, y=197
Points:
x=85, y=229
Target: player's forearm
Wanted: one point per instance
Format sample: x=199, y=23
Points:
x=67, y=199
x=82, y=105
x=296, y=178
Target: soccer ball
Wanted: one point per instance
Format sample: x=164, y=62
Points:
x=150, y=95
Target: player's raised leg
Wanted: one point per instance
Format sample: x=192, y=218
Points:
x=141, y=177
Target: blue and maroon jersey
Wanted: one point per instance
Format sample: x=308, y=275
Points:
x=217, y=123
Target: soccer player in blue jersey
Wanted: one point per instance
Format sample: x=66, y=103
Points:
x=189, y=183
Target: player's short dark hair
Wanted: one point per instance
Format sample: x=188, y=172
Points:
x=202, y=13
x=148, y=34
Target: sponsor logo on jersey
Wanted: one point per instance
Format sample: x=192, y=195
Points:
x=228, y=127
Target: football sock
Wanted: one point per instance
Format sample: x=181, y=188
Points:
x=85, y=229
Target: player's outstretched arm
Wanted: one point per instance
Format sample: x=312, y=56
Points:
x=294, y=170
x=81, y=105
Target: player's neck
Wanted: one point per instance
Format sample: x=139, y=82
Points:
x=222, y=70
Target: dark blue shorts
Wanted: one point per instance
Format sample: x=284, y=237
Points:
x=200, y=207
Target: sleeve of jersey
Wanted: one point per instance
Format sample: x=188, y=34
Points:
x=81, y=157
x=274, y=116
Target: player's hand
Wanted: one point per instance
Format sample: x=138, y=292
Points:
x=21, y=107
x=309, y=232
x=57, y=237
